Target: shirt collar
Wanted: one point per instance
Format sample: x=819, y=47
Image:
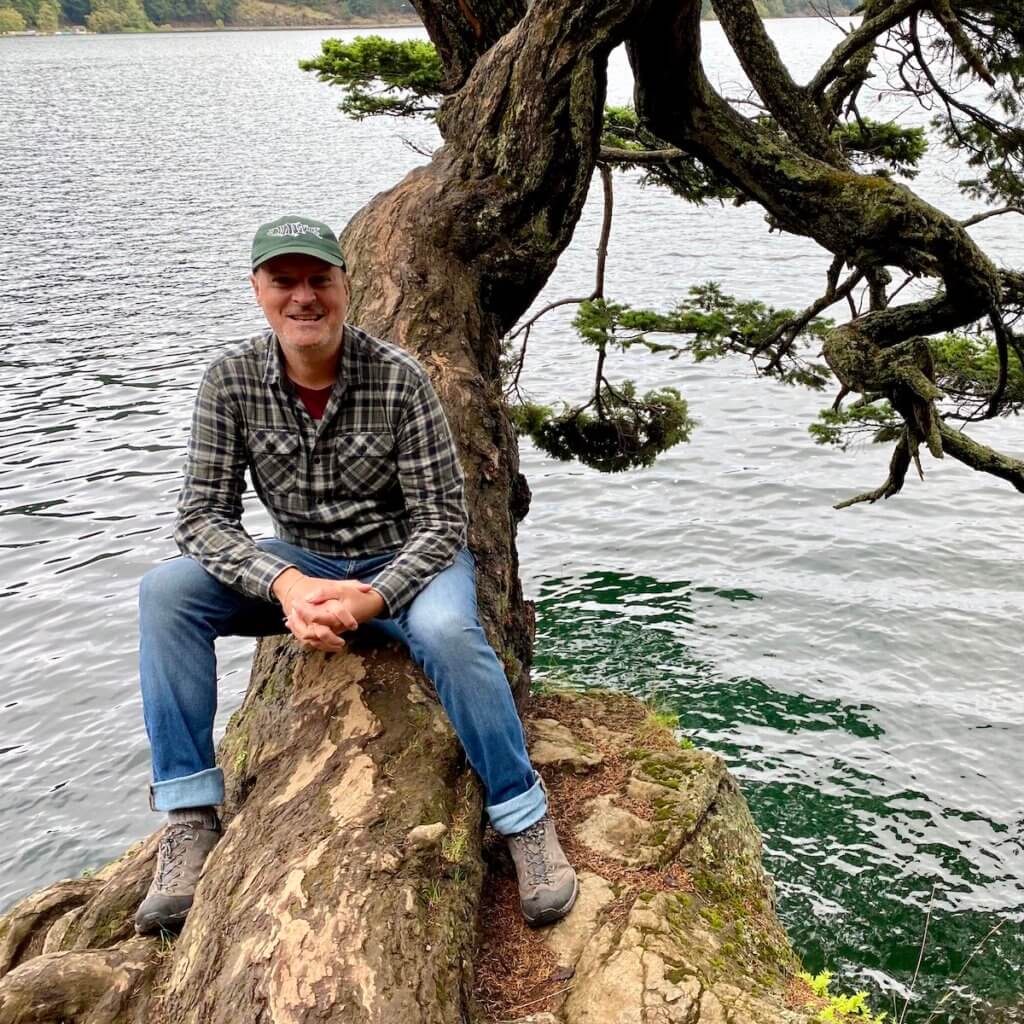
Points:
x=351, y=366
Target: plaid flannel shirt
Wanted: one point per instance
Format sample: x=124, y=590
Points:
x=378, y=473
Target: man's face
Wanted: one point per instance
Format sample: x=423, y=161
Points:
x=304, y=300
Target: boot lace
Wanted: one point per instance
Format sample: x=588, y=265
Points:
x=533, y=842
x=171, y=854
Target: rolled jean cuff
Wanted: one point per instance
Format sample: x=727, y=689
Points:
x=521, y=811
x=203, y=789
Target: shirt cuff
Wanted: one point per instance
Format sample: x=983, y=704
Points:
x=261, y=572
x=396, y=588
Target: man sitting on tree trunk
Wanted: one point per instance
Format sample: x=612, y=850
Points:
x=349, y=450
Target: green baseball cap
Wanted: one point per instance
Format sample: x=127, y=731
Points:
x=296, y=234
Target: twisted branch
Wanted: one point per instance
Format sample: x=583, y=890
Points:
x=611, y=155
x=946, y=17
x=898, y=466
x=871, y=221
x=864, y=35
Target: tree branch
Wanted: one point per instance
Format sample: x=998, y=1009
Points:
x=980, y=457
x=606, y=229
x=789, y=104
x=788, y=332
x=946, y=17
x=951, y=102
x=979, y=217
x=875, y=223
x=898, y=466
x=547, y=309
x=611, y=155
x=864, y=35
x=855, y=71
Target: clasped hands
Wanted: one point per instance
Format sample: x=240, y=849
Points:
x=317, y=610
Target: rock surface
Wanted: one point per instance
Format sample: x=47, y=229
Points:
x=675, y=921
x=570, y=937
x=426, y=837
x=552, y=744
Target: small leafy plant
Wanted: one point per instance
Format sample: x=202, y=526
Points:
x=841, y=1009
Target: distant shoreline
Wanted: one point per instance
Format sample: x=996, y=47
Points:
x=79, y=30
x=372, y=26
x=399, y=22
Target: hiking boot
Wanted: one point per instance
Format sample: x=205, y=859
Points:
x=547, y=883
x=183, y=850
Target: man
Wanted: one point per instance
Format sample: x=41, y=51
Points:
x=349, y=450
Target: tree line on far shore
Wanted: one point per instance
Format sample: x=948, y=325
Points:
x=145, y=15
x=49, y=16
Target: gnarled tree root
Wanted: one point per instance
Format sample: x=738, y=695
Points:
x=316, y=905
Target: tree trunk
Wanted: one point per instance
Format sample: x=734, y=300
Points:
x=322, y=902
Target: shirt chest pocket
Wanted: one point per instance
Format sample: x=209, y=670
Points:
x=364, y=464
x=275, y=460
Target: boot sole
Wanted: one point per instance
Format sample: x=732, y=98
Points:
x=172, y=923
x=553, y=914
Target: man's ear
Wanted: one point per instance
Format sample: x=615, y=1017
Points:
x=254, y=281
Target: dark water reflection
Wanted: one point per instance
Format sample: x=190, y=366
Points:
x=858, y=860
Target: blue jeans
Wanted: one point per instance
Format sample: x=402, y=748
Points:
x=183, y=609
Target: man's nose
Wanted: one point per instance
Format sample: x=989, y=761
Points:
x=303, y=293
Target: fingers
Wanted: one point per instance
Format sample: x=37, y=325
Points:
x=321, y=612
x=346, y=620
x=314, y=635
x=329, y=591
x=317, y=626
x=335, y=647
x=333, y=614
x=325, y=639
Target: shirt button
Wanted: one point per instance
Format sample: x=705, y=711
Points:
x=316, y=461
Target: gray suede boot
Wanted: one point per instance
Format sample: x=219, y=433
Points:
x=184, y=847
x=547, y=883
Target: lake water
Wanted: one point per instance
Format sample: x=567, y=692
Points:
x=860, y=670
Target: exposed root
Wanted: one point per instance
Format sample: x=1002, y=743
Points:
x=95, y=984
